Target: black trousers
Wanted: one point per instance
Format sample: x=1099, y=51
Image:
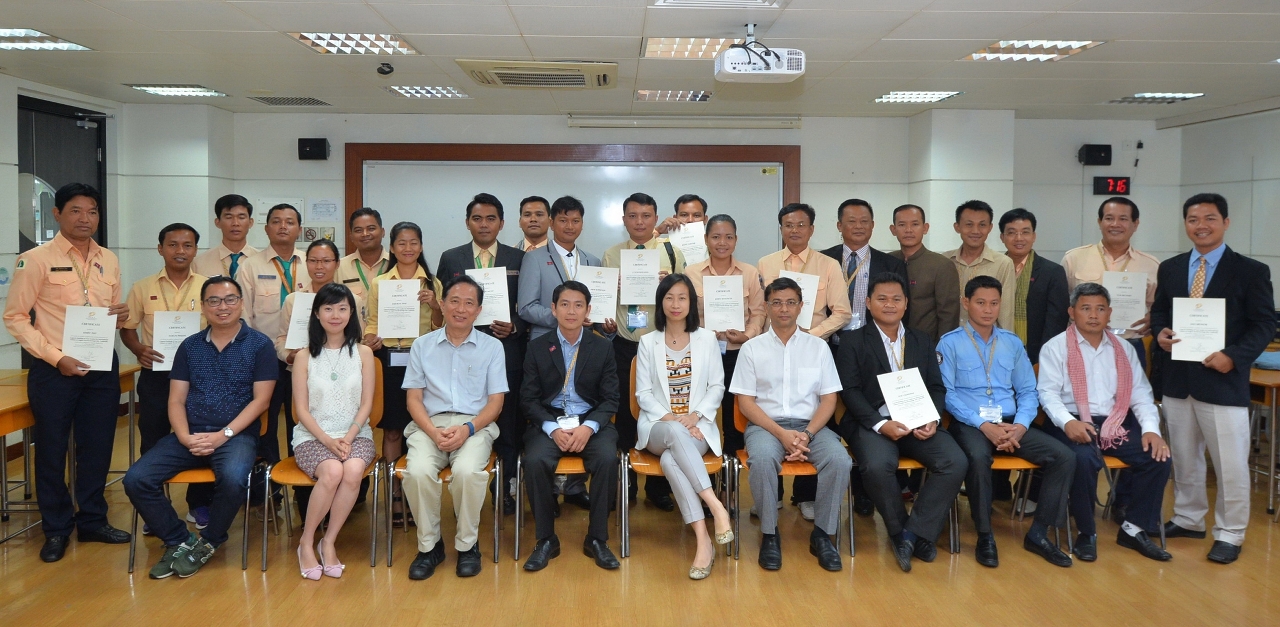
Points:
x=1146, y=478
x=878, y=465
x=91, y=405
x=1055, y=460
x=599, y=456
x=624, y=351
x=281, y=398
x=153, y=424
x=511, y=424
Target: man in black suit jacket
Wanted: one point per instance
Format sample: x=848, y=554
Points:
x=1207, y=402
x=485, y=220
x=1044, y=303
x=876, y=440
x=569, y=396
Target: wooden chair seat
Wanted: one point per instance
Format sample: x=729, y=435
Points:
x=1114, y=463
x=446, y=473
x=906, y=463
x=1009, y=462
x=287, y=472
x=195, y=475
x=650, y=465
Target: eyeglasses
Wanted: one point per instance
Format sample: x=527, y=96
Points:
x=322, y=261
x=216, y=301
x=789, y=304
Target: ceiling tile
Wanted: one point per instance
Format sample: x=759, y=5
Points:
x=920, y=50
x=315, y=17
x=963, y=25
x=584, y=48
x=679, y=22
x=109, y=40
x=219, y=42
x=448, y=19
x=51, y=16
x=1185, y=52
x=837, y=24
x=469, y=46
x=183, y=14
x=569, y=21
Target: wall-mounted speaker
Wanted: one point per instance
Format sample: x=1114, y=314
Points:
x=1095, y=154
x=317, y=149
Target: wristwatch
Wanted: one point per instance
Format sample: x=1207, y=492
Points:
x=808, y=435
x=699, y=415
x=228, y=432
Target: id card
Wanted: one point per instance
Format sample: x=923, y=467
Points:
x=399, y=359
x=568, y=423
x=990, y=413
x=637, y=319
x=724, y=346
x=856, y=322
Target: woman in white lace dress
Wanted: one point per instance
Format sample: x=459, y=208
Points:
x=332, y=442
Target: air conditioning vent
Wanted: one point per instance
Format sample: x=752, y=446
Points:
x=541, y=74
x=291, y=101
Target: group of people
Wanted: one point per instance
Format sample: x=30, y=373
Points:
x=556, y=378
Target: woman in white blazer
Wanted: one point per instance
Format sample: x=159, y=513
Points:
x=679, y=385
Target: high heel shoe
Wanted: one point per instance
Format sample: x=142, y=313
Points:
x=697, y=573
x=312, y=573
x=334, y=570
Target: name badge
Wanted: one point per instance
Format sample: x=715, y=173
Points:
x=568, y=423
x=637, y=319
x=990, y=413
x=60, y=269
x=355, y=280
x=399, y=359
x=269, y=276
x=724, y=346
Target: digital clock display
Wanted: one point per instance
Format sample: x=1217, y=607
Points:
x=1111, y=186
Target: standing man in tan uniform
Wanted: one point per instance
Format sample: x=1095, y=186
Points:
x=358, y=270
x=233, y=215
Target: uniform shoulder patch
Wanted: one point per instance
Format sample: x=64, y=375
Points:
x=22, y=263
x=939, y=354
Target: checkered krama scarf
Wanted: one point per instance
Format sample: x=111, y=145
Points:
x=1112, y=433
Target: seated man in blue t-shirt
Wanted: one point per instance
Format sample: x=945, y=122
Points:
x=221, y=383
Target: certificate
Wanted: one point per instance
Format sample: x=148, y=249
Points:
x=89, y=335
x=723, y=303
x=639, y=273
x=497, y=300
x=907, y=398
x=300, y=321
x=1200, y=325
x=168, y=329
x=809, y=288
x=603, y=283
x=1128, y=298
x=691, y=240
x=398, y=308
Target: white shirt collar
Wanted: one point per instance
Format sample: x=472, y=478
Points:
x=561, y=251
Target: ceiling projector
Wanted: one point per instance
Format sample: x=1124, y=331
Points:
x=754, y=62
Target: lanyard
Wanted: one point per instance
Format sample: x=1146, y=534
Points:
x=848, y=280
x=180, y=295
x=83, y=276
x=480, y=266
x=987, y=366
x=900, y=357
x=382, y=268
x=568, y=376
x=574, y=274
x=1104, y=259
x=286, y=277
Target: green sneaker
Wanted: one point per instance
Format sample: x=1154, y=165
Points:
x=191, y=555
x=164, y=567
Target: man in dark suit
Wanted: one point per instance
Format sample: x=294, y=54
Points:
x=1040, y=303
x=877, y=440
x=569, y=395
x=485, y=220
x=1206, y=401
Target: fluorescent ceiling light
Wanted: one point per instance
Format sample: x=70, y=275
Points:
x=27, y=39
x=677, y=121
x=685, y=47
x=354, y=43
x=177, y=90
x=1031, y=50
x=1155, y=98
x=718, y=4
x=917, y=96
x=411, y=91
x=669, y=95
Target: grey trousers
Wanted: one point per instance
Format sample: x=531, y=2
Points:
x=681, y=457
x=765, y=461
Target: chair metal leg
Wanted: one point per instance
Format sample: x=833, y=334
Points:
x=737, y=510
x=954, y=515
x=624, y=504
x=1025, y=478
x=519, y=505
x=497, y=509
x=373, y=515
x=391, y=477
x=133, y=540
x=26, y=463
x=852, y=551
x=267, y=508
x=244, y=540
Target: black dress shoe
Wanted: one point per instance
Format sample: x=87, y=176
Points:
x=54, y=548
x=903, y=550
x=820, y=546
x=1086, y=547
x=1173, y=531
x=1223, y=552
x=926, y=551
x=599, y=551
x=105, y=534
x=661, y=501
x=985, y=552
x=508, y=505
x=580, y=499
x=543, y=552
x=424, y=565
x=469, y=562
x=1143, y=544
x=1044, y=548
x=863, y=506
x=770, y=551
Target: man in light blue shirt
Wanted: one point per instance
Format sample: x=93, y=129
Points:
x=455, y=383
x=991, y=395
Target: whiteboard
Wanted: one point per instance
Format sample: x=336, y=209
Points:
x=434, y=194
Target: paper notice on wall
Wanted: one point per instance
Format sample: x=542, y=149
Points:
x=323, y=210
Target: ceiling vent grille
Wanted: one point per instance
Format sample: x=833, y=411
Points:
x=542, y=74
x=291, y=101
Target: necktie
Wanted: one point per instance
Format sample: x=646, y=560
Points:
x=235, y=264
x=632, y=309
x=849, y=273
x=1197, y=282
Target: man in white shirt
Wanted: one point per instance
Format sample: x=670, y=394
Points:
x=786, y=385
x=1079, y=367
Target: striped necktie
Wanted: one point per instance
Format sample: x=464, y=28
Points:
x=1197, y=282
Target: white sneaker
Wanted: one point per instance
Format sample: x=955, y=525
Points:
x=1030, y=506
x=806, y=510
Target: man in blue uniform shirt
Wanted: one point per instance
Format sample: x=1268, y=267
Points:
x=991, y=395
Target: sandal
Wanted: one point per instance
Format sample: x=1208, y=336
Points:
x=397, y=518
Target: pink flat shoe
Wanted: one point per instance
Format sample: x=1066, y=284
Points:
x=312, y=573
x=335, y=570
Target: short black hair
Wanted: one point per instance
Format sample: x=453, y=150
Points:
x=1208, y=198
x=281, y=207
x=782, y=283
x=1013, y=215
x=214, y=280
x=570, y=285
x=690, y=198
x=565, y=204
x=642, y=199
x=691, y=322
x=362, y=212
x=229, y=201
x=979, y=282
x=975, y=205
x=908, y=207
x=545, y=205
x=797, y=206
x=486, y=199
x=854, y=202
x=464, y=279
x=71, y=190
x=1133, y=206
x=882, y=278
x=179, y=226
x=1089, y=289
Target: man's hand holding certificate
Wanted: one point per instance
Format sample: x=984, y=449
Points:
x=169, y=329
x=1198, y=329
x=907, y=398
x=723, y=303
x=497, y=300
x=809, y=288
x=89, y=336
x=639, y=273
